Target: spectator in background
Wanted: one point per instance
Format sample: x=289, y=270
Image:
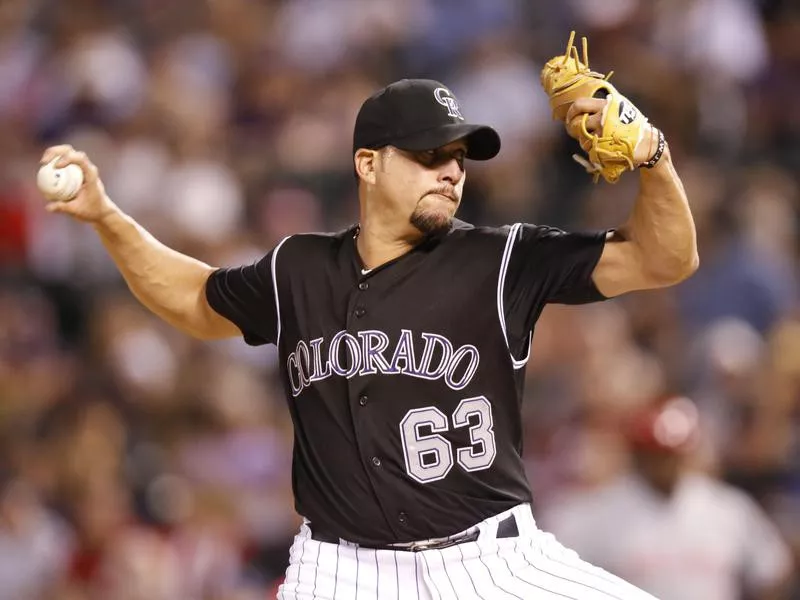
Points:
x=679, y=533
x=35, y=543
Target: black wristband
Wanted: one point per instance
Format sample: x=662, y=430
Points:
x=662, y=144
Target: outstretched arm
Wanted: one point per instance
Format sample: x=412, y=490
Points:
x=170, y=284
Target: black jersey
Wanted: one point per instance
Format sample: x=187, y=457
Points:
x=404, y=383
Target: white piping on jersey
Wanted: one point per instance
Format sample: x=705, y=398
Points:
x=275, y=290
x=501, y=282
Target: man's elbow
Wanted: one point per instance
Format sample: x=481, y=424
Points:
x=688, y=266
x=694, y=264
x=675, y=271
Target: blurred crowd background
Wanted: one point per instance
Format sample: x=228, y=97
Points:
x=136, y=463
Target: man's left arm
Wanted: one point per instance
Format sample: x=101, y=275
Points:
x=657, y=245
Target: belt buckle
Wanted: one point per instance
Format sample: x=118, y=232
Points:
x=420, y=546
x=417, y=546
x=440, y=543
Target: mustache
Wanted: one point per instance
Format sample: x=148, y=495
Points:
x=444, y=191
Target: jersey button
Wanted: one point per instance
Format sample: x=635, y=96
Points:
x=403, y=518
x=376, y=461
x=360, y=312
x=363, y=286
x=363, y=399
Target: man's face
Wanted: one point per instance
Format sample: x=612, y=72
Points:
x=423, y=187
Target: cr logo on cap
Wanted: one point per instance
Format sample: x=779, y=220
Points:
x=444, y=97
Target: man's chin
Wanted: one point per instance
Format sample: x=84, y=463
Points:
x=431, y=223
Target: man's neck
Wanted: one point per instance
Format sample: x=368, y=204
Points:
x=377, y=248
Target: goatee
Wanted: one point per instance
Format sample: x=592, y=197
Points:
x=430, y=223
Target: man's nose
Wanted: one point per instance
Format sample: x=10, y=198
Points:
x=451, y=172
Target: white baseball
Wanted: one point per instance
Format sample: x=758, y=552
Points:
x=59, y=184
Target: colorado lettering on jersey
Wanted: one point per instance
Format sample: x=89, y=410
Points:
x=368, y=353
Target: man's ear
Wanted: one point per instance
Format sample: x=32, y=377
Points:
x=366, y=164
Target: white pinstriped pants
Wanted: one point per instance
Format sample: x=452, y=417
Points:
x=531, y=566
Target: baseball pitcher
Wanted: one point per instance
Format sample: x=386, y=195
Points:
x=403, y=341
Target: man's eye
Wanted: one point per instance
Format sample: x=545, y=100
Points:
x=427, y=157
x=432, y=158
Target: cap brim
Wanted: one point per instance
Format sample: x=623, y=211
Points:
x=483, y=142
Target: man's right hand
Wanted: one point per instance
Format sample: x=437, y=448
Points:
x=91, y=204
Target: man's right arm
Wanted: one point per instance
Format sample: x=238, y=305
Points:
x=170, y=284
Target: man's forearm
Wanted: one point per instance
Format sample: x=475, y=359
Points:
x=661, y=225
x=170, y=284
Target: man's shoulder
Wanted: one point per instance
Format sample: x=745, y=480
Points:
x=461, y=230
x=318, y=240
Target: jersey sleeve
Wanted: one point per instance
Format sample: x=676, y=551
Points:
x=547, y=265
x=246, y=296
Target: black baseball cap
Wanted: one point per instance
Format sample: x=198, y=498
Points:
x=420, y=114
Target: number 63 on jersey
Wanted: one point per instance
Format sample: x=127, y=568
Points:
x=429, y=456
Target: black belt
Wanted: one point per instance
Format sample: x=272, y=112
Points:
x=507, y=528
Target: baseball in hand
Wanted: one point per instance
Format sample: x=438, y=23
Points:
x=59, y=184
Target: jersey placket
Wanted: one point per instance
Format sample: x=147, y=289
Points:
x=359, y=319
